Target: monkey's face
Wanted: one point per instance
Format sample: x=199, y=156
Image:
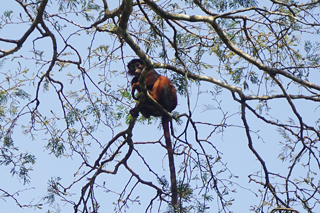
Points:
x=135, y=68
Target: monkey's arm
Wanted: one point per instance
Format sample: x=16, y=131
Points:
x=135, y=86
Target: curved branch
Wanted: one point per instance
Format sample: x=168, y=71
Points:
x=34, y=24
x=262, y=162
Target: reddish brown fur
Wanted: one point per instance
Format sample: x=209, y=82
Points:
x=159, y=87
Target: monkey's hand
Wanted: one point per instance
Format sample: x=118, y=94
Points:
x=137, y=98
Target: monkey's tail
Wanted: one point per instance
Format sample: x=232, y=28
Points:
x=174, y=190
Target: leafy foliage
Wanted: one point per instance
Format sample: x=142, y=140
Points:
x=246, y=124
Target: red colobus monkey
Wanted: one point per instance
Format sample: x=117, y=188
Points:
x=162, y=90
x=159, y=87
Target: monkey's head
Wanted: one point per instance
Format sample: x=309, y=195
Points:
x=135, y=67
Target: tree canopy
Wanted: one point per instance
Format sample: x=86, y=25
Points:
x=245, y=133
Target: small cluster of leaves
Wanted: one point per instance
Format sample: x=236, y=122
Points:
x=186, y=196
x=12, y=107
x=312, y=48
x=87, y=6
x=56, y=146
x=7, y=15
x=224, y=5
x=19, y=162
x=52, y=189
x=180, y=84
x=10, y=102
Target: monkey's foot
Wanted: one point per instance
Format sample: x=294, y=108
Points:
x=134, y=112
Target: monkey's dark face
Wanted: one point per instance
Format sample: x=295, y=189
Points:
x=135, y=67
